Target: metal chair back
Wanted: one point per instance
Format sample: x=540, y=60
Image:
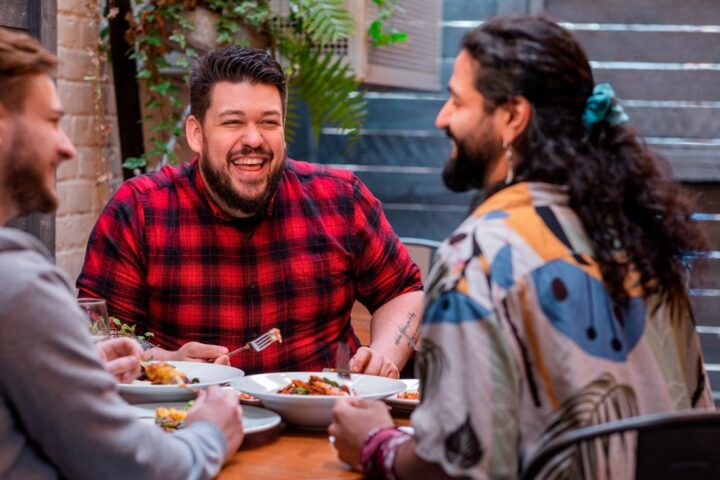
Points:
x=670, y=446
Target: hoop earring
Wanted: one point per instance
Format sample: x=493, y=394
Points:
x=509, y=155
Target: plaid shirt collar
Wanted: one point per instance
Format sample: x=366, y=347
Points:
x=199, y=183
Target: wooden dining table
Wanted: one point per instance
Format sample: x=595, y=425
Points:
x=289, y=453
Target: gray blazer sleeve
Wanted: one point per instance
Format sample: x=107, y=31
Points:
x=67, y=406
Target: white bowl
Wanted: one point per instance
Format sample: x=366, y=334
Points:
x=207, y=373
x=310, y=411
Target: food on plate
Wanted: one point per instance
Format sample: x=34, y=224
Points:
x=409, y=395
x=315, y=386
x=246, y=396
x=171, y=418
x=163, y=373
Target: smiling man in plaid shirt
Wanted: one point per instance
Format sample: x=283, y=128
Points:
x=210, y=254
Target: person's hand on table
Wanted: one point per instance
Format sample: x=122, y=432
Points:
x=223, y=409
x=371, y=362
x=192, y=352
x=120, y=357
x=353, y=418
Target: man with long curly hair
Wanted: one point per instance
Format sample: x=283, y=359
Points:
x=560, y=302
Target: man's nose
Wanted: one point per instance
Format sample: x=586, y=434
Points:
x=441, y=119
x=252, y=137
x=66, y=147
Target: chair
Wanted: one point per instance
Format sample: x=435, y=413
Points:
x=422, y=252
x=678, y=445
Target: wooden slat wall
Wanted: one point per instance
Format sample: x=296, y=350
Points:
x=400, y=153
x=663, y=58
x=685, y=12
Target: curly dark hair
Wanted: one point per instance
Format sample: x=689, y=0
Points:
x=233, y=64
x=636, y=217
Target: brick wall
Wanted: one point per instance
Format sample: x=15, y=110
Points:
x=85, y=183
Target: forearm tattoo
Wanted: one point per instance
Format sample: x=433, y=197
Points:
x=409, y=331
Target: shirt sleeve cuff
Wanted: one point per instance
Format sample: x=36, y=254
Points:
x=209, y=449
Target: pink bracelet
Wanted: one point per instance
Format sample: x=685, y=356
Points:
x=377, y=456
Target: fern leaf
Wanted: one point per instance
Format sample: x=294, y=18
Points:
x=325, y=21
x=326, y=84
x=292, y=119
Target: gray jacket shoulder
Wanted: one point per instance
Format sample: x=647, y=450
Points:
x=22, y=260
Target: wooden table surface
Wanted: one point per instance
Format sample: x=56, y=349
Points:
x=288, y=453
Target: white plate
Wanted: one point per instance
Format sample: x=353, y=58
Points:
x=207, y=373
x=255, y=419
x=411, y=384
x=310, y=411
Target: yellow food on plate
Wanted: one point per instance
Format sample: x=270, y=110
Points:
x=163, y=373
x=170, y=418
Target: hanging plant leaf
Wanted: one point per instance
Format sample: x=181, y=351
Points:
x=325, y=21
x=331, y=92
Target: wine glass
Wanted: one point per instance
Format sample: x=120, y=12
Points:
x=97, y=317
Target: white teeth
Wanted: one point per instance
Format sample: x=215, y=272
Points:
x=248, y=161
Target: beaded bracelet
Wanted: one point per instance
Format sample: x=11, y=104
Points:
x=377, y=456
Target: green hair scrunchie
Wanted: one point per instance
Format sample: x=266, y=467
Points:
x=601, y=106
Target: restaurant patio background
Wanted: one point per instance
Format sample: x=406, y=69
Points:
x=662, y=57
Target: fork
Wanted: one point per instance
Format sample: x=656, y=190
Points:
x=260, y=343
x=342, y=364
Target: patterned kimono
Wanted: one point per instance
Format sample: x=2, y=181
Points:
x=522, y=342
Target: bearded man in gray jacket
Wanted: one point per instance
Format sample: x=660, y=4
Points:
x=60, y=414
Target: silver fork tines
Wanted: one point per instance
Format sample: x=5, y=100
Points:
x=260, y=343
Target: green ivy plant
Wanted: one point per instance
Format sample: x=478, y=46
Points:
x=379, y=34
x=160, y=30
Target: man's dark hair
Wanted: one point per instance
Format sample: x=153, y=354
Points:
x=637, y=219
x=21, y=57
x=233, y=64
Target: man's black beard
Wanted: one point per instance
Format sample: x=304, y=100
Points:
x=465, y=171
x=459, y=175
x=221, y=185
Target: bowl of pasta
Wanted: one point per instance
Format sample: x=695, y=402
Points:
x=306, y=399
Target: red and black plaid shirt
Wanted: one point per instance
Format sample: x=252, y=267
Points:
x=166, y=257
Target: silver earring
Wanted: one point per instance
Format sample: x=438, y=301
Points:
x=509, y=155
